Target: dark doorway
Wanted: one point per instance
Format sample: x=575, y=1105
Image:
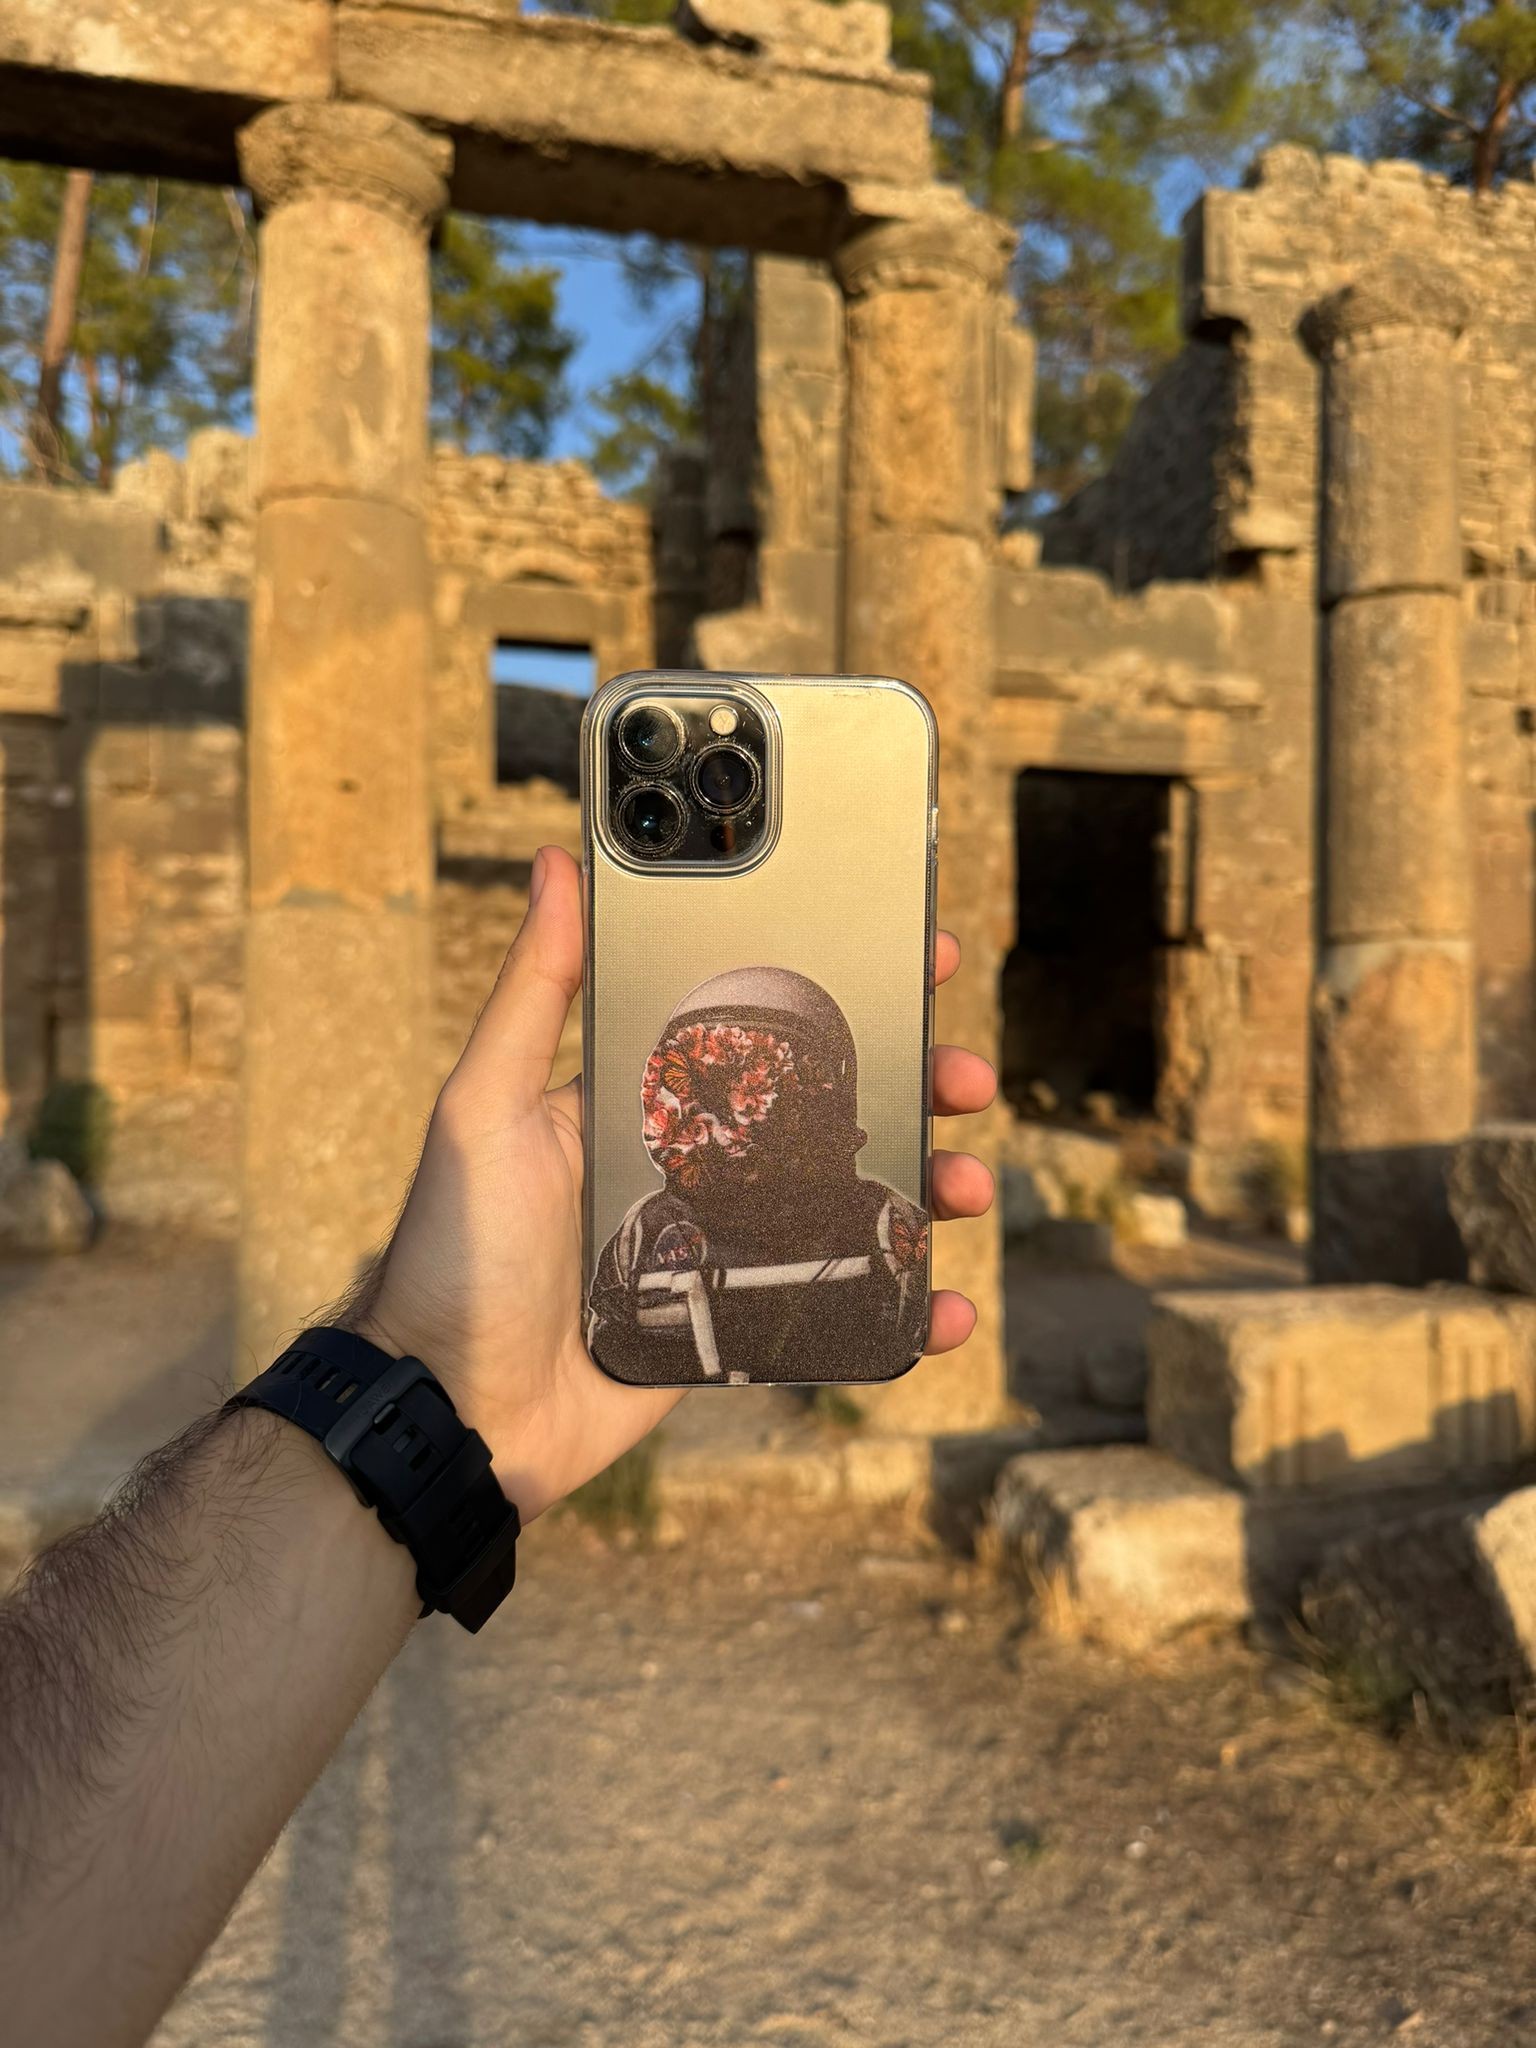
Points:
x=1080, y=986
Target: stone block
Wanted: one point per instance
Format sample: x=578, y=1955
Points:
x=1031, y=1196
x=1114, y=1372
x=1123, y=1543
x=1441, y=1604
x=216, y=1021
x=218, y=477
x=1085, y=1168
x=858, y=33
x=1493, y=1199
x=1161, y=1222
x=42, y=1207
x=1073, y=1244
x=1342, y=1387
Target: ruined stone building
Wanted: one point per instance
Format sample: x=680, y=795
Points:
x=268, y=819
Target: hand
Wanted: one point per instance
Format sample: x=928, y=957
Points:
x=483, y=1277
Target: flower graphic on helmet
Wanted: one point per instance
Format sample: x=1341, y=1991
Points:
x=709, y=1088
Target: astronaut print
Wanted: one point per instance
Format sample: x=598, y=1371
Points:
x=762, y=1254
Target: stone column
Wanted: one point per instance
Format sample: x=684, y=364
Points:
x=920, y=516
x=1395, y=1054
x=338, y=1071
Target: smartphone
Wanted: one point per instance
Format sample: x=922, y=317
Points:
x=759, y=857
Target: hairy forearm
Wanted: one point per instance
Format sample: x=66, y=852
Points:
x=171, y=1680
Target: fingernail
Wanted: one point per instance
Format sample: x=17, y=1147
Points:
x=536, y=878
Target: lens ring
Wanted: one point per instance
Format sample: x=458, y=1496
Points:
x=651, y=840
x=724, y=800
x=650, y=736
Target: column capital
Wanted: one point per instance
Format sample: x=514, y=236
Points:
x=1400, y=292
x=942, y=241
x=343, y=148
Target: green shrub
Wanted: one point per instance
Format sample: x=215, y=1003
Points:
x=623, y=1497
x=74, y=1124
x=837, y=1408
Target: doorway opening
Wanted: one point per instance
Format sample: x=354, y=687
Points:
x=540, y=689
x=1102, y=887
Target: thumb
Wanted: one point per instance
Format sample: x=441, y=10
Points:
x=514, y=1042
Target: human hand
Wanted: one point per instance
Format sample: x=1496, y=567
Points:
x=483, y=1277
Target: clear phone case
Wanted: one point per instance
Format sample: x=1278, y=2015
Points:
x=757, y=1022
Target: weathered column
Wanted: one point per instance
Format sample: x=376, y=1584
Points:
x=1395, y=1056
x=338, y=982
x=920, y=516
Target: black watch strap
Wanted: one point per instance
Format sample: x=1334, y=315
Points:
x=391, y=1428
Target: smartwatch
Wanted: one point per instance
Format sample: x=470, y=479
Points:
x=393, y=1431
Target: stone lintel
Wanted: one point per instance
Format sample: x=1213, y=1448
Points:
x=595, y=124
x=1033, y=732
x=1351, y=1387
x=638, y=129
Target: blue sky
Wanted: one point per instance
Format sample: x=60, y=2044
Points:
x=613, y=334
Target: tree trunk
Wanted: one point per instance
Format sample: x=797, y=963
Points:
x=1010, y=117
x=1489, y=145
x=46, y=441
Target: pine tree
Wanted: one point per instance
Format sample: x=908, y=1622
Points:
x=159, y=341
x=159, y=330
x=1070, y=117
x=1452, y=85
x=499, y=352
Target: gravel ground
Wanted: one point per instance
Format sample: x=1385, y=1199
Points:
x=800, y=1780
x=808, y=1783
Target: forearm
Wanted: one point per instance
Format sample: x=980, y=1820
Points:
x=171, y=1681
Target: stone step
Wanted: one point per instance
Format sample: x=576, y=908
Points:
x=1438, y=1607
x=1130, y=1547
x=1347, y=1388
x=1122, y=1544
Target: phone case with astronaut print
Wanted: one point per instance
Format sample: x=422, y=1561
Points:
x=759, y=857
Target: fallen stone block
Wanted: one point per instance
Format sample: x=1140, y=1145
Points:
x=1073, y=1244
x=1492, y=1184
x=1161, y=1222
x=1352, y=1387
x=1122, y=1544
x=1084, y=1168
x=42, y=1206
x=1439, y=1607
x=1031, y=1197
x=1114, y=1371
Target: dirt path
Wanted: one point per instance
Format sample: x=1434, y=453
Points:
x=809, y=1785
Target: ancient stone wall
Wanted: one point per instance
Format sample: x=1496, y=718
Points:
x=122, y=829
x=1154, y=514
x=1207, y=693
x=1236, y=425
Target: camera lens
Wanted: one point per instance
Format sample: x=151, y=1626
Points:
x=725, y=778
x=651, y=819
x=651, y=736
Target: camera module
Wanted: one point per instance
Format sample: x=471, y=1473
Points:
x=650, y=736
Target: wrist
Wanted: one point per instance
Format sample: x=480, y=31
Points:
x=384, y=1420
x=321, y=1520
